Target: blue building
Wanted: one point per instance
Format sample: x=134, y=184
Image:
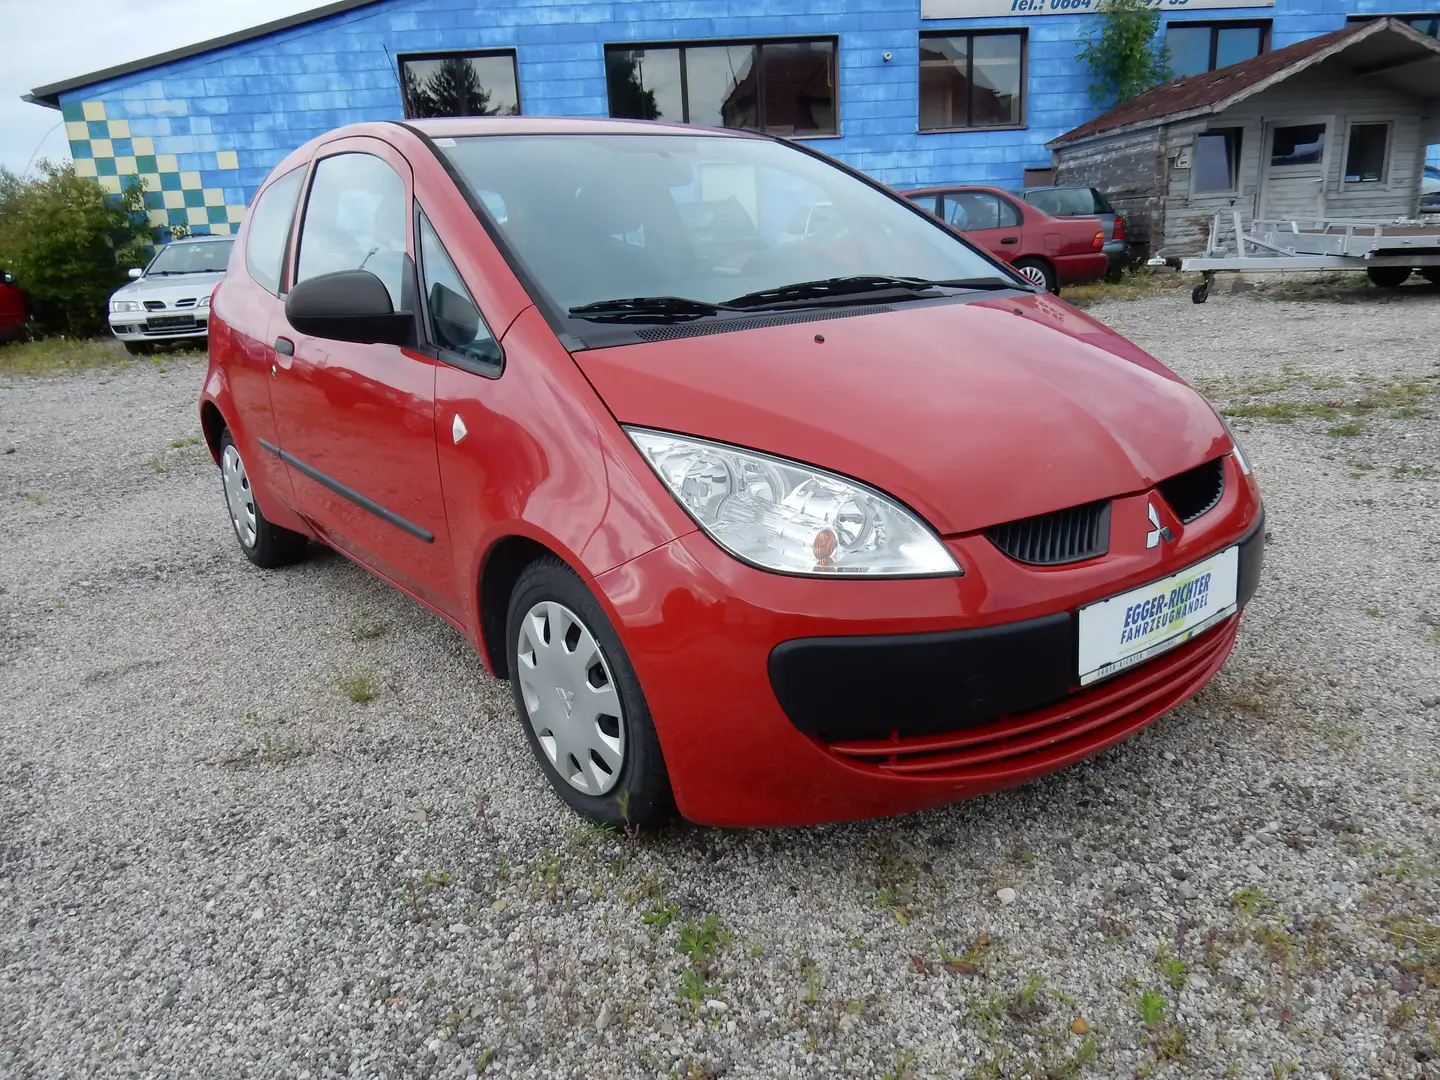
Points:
x=911, y=91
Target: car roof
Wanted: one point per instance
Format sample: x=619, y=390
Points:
x=941, y=189
x=1057, y=187
x=457, y=126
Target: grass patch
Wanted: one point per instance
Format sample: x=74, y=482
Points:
x=36, y=497
x=364, y=628
x=1344, y=430
x=1138, y=284
x=358, y=686
x=67, y=356
x=189, y=440
x=273, y=750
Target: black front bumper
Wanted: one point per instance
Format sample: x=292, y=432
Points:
x=843, y=688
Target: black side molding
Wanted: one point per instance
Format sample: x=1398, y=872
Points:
x=347, y=492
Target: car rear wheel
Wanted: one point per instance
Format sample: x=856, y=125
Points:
x=1388, y=277
x=580, y=703
x=264, y=544
x=1038, y=272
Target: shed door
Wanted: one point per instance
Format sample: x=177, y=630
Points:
x=1293, y=163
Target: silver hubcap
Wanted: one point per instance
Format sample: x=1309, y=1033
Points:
x=238, y=495
x=1034, y=274
x=570, y=698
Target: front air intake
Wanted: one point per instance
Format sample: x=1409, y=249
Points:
x=1063, y=536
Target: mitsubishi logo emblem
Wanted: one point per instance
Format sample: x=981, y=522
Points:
x=567, y=698
x=1159, y=532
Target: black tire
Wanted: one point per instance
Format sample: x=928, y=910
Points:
x=1430, y=274
x=272, y=546
x=641, y=793
x=1200, y=293
x=138, y=348
x=1042, y=269
x=1388, y=277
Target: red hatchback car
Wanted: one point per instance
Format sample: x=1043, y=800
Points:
x=843, y=528
x=14, y=308
x=1049, y=251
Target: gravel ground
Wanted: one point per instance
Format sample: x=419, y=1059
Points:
x=213, y=863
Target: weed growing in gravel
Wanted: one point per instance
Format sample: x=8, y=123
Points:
x=188, y=440
x=904, y=1068
x=1250, y=900
x=896, y=878
x=363, y=628
x=273, y=750
x=1029, y=1000
x=659, y=913
x=35, y=497
x=1151, y=1005
x=157, y=463
x=1406, y=471
x=1352, y=427
x=1173, y=968
x=358, y=686
x=700, y=943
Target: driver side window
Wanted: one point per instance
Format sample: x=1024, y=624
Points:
x=452, y=317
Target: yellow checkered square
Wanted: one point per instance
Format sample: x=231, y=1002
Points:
x=224, y=159
x=214, y=197
x=77, y=131
x=143, y=145
x=190, y=181
x=94, y=110
x=236, y=214
x=159, y=218
x=174, y=200
x=167, y=163
x=151, y=181
x=220, y=228
x=196, y=215
x=119, y=129
x=85, y=167
x=102, y=148
x=110, y=185
x=125, y=166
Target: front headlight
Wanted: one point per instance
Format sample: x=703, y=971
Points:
x=1239, y=455
x=783, y=516
x=118, y=306
x=204, y=302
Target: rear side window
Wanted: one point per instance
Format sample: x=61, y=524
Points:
x=270, y=220
x=355, y=219
x=1069, y=202
x=972, y=211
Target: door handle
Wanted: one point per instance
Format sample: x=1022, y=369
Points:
x=284, y=346
x=1010, y=240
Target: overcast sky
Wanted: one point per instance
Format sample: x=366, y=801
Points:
x=47, y=41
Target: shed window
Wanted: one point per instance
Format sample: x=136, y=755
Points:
x=1198, y=47
x=1366, y=155
x=783, y=87
x=1217, y=161
x=972, y=80
x=459, y=84
x=1298, y=144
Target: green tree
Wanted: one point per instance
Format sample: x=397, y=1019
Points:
x=1126, y=55
x=452, y=89
x=628, y=97
x=69, y=244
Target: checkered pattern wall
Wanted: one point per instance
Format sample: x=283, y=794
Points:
x=187, y=189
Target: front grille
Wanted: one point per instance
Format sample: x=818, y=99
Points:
x=1063, y=536
x=1195, y=491
x=154, y=305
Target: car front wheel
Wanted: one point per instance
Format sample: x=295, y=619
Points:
x=1038, y=272
x=264, y=544
x=580, y=703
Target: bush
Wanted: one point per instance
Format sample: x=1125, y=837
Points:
x=69, y=244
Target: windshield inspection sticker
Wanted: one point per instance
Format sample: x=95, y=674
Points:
x=1129, y=629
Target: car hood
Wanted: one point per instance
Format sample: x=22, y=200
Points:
x=177, y=285
x=973, y=413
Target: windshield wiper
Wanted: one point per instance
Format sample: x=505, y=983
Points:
x=844, y=288
x=647, y=309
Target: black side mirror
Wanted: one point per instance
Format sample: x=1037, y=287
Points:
x=348, y=305
x=458, y=325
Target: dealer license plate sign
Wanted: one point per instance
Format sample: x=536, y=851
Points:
x=1129, y=629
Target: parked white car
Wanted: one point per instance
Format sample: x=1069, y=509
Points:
x=170, y=298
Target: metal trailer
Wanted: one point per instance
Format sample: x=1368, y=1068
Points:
x=1388, y=251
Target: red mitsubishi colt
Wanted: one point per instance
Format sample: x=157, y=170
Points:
x=807, y=526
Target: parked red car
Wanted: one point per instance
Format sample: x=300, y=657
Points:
x=14, y=308
x=1050, y=251
x=857, y=524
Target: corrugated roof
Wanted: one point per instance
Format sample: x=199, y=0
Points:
x=1212, y=90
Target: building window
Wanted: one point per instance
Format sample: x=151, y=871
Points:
x=1426, y=24
x=459, y=84
x=1197, y=47
x=781, y=87
x=1217, y=161
x=972, y=80
x=1298, y=144
x=1367, y=153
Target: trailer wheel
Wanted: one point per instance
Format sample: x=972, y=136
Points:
x=1200, y=293
x=1388, y=277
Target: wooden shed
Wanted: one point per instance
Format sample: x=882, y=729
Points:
x=1332, y=127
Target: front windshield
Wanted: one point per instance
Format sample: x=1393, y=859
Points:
x=707, y=218
x=207, y=258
